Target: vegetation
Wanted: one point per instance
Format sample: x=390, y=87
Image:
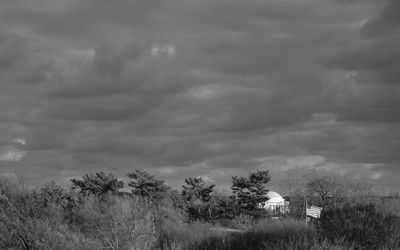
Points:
x=146, y=185
x=197, y=196
x=251, y=191
x=361, y=225
x=94, y=215
x=328, y=191
x=196, y=190
x=97, y=184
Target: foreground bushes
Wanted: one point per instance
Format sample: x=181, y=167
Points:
x=49, y=219
x=361, y=225
x=31, y=219
x=53, y=218
x=356, y=232
x=268, y=234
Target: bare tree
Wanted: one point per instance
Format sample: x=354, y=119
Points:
x=326, y=189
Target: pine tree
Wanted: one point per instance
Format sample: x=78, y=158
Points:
x=251, y=191
x=145, y=184
x=196, y=190
x=97, y=184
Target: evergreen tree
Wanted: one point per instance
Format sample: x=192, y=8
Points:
x=251, y=191
x=197, y=195
x=196, y=190
x=97, y=184
x=145, y=184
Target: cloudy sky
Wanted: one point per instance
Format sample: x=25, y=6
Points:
x=210, y=88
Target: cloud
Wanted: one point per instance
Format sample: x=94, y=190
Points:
x=21, y=141
x=12, y=49
x=373, y=55
x=159, y=50
x=387, y=21
x=10, y=153
x=198, y=88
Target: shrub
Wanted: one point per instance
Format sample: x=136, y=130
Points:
x=243, y=221
x=175, y=236
x=44, y=235
x=361, y=225
x=118, y=222
x=266, y=234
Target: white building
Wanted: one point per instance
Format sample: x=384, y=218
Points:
x=275, y=203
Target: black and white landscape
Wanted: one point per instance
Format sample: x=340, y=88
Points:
x=169, y=124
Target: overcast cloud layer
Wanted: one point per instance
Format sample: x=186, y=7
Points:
x=210, y=88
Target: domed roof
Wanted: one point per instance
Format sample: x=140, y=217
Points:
x=274, y=197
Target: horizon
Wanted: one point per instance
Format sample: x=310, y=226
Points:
x=200, y=88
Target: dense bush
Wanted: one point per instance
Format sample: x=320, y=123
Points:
x=33, y=219
x=51, y=218
x=361, y=225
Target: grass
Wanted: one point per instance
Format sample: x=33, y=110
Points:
x=266, y=234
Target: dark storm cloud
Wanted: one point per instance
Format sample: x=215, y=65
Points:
x=387, y=21
x=11, y=50
x=374, y=59
x=198, y=88
x=376, y=54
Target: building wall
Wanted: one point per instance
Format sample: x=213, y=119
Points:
x=276, y=207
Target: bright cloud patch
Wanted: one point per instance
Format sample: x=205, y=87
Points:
x=283, y=163
x=161, y=50
x=10, y=153
x=21, y=141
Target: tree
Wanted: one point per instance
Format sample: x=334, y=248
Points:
x=97, y=184
x=326, y=189
x=251, y=191
x=294, y=187
x=197, y=193
x=145, y=184
x=241, y=191
x=197, y=190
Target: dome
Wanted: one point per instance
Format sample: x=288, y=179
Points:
x=274, y=197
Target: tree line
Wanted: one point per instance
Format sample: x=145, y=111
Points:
x=321, y=189
x=247, y=192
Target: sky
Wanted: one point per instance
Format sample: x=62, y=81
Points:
x=209, y=88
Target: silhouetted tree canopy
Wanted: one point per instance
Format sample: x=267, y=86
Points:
x=145, y=184
x=97, y=184
x=196, y=189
